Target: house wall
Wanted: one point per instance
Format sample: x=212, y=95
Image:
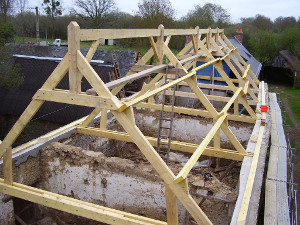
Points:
x=190, y=129
x=112, y=182
x=7, y=216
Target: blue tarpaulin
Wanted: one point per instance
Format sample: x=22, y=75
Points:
x=207, y=71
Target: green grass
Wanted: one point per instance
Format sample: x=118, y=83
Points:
x=293, y=97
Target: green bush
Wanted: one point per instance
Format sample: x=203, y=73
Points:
x=7, y=33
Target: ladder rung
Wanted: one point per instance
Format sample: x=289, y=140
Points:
x=165, y=127
x=167, y=119
x=162, y=143
x=164, y=136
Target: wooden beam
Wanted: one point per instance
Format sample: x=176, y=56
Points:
x=90, y=117
x=91, y=52
x=216, y=78
x=231, y=101
x=154, y=47
x=212, y=86
x=175, y=145
x=95, y=34
x=171, y=70
x=249, y=186
x=171, y=206
x=77, y=207
x=103, y=119
x=232, y=138
x=7, y=166
x=92, y=77
x=160, y=43
x=74, y=99
x=135, y=76
x=209, y=97
x=151, y=84
x=154, y=92
x=73, y=47
x=196, y=155
x=194, y=112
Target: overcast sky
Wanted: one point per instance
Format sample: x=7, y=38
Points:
x=236, y=8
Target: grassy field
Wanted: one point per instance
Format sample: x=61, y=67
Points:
x=291, y=96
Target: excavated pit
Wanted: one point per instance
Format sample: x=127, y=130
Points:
x=116, y=174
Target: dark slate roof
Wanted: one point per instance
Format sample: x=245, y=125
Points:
x=247, y=56
x=292, y=60
x=35, y=73
x=126, y=58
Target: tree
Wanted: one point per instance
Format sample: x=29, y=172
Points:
x=289, y=40
x=6, y=7
x=262, y=22
x=10, y=73
x=264, y=45
x=7, y=32
x=53, y=9
x=10, y=76
x=208, y=15
x=96, y=10
x=22, y=5
x=154, y=12
x=282, y=23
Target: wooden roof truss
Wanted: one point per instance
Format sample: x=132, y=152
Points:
x=208, y=45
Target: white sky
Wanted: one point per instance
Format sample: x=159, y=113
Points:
x=236, y=8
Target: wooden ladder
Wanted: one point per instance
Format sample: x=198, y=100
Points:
x=116, y=75
x=166, y=118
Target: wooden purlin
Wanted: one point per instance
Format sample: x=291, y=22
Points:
x=78, y=65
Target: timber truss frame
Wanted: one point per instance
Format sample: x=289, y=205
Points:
x=210, y=46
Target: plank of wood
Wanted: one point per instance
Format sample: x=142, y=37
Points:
x=77, y=207
x=175, y=145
